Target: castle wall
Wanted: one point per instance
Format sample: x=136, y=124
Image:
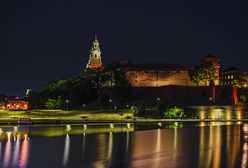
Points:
x=158, y=78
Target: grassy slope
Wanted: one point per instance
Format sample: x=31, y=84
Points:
x=69, y=115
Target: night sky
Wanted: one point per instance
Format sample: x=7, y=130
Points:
x=43, y=40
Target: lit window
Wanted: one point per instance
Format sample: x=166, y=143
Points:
x=228, y=77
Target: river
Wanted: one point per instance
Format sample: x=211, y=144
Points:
x=187, y=145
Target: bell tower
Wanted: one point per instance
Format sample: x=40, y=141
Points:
x=95, y=61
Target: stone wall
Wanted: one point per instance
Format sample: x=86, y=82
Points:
x=158, y=78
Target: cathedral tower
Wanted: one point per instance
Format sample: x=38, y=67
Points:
x=95, y=62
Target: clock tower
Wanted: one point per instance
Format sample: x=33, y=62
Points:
x=95, y=61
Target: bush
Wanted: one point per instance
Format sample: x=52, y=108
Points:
x=54, y=103
x=174, y=113
x=134, y=110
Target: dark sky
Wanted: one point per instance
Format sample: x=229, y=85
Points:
x=47, y=40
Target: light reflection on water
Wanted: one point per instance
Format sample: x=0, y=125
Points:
x=218, y=112
x=213, y=146
x=15, y=151
x=66, y=150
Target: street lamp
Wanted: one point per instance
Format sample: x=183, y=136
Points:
x=110, y=101
x=84, y=106
x=67, y=101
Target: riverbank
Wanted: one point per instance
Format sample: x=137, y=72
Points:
x=7, y=121
x=102, y=116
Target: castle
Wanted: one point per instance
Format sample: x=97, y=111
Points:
x=153, y=75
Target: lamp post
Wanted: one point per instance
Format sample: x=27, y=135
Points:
x=67, y=101
x=84, y=106
x=110, y=101
x=158, y=101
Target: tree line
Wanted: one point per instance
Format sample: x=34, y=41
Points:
x=79, y=91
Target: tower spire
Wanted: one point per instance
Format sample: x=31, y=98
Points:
x=95, y=62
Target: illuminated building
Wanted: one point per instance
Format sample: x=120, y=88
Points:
x=17, y=105
x=231, y=75
x=156, y=75
x=95, y=62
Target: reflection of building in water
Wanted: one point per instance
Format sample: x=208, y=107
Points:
x=245, y=147
x=16, y=149
x=16, y=152
x=102, y=150
x=7, y=151
x=222, y=112
x=233, y=144
x=24, y=154
x=211, y=142
x=105, y=150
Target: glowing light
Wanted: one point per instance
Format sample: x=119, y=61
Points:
x=159, y=124
x=128, y=125
x=245, y=128
x=85, y=126
x=202, y=124
x=111, y=126
x=15, y=128
x=68, y=127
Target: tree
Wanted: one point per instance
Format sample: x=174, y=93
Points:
x=122, y=87
x=3, y=100
x=34, y=100
x=203, y=73
x=54, y=103
x=82, y=93
x=196, y=75
x=209, y=71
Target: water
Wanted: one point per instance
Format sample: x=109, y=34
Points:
x=215, y=145
x=217, y=112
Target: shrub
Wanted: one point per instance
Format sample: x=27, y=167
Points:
x=174, y=113
x=134, y=110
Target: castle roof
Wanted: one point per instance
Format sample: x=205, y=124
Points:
x=233, y=68
x=156, y=67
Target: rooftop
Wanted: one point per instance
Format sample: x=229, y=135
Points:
x=156, y=66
